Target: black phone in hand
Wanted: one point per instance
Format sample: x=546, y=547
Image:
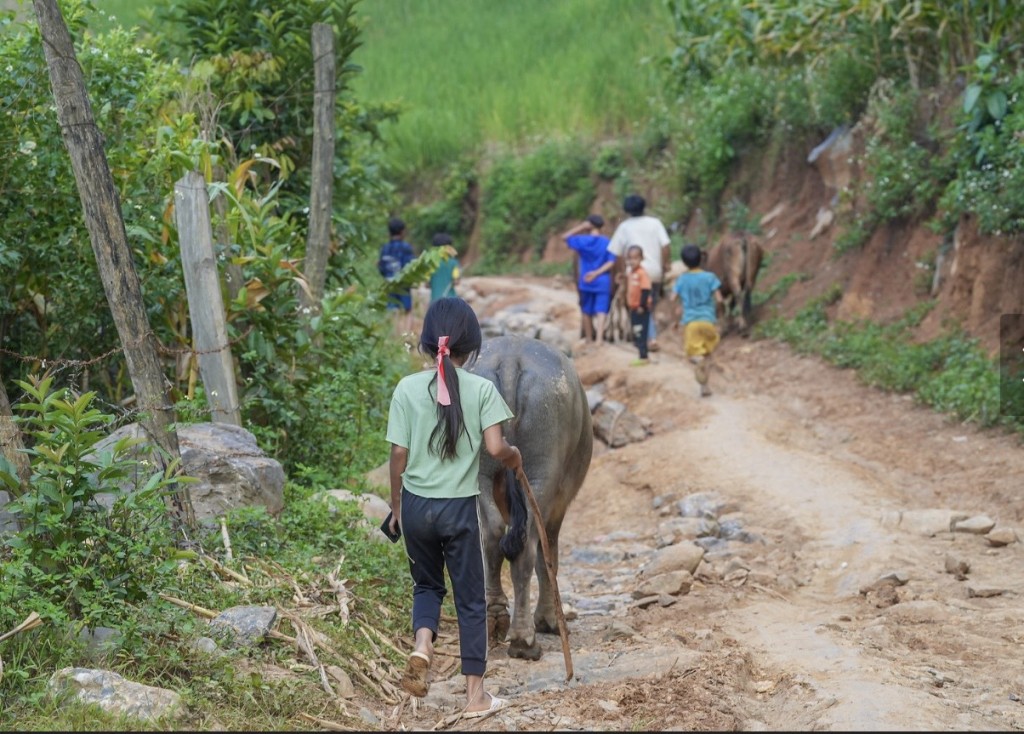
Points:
x=385, y=527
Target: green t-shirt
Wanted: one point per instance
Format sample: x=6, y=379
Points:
x=412, y=418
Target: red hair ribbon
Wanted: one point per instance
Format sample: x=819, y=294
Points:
x=442, y=387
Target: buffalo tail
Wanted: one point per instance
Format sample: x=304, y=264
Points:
x=514, y=539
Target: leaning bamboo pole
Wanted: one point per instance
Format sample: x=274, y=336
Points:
x=563, y=630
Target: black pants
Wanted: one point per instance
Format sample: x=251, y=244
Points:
x=640, y=321
x=443, y=533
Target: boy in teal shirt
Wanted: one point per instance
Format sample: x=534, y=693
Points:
x=448, y=273
x=700, y=293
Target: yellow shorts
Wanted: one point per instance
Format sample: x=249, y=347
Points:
x=700, y=338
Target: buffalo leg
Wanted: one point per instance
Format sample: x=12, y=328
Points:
x=545, y=618
x=497, y=602
x=522, y=640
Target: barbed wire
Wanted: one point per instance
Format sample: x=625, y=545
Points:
x=60, y=363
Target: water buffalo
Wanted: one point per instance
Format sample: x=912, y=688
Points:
x=736, y=261
x=553, y=431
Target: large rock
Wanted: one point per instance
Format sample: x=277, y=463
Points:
x=232, y=471
x=617, y=426
x=114, y=694
x=243, y=626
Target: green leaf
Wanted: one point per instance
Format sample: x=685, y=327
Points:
x=996, y=103
x=971, y=95
x=984, y=61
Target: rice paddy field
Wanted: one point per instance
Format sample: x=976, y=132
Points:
x=470, y=73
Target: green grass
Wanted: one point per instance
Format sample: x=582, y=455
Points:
x=127, y=12
x=469, y=72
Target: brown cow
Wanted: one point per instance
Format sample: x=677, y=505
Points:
x=736, y=261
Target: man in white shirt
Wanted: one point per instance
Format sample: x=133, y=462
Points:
x=650, y=234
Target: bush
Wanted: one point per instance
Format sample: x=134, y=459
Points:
x=73, y=559
x=904, y=178
x=989, y=163
x=525, y=199
x=720, y=121
x=842, y=85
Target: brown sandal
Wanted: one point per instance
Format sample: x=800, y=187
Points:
x=415, y=678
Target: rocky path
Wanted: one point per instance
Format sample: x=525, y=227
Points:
x=859, y=565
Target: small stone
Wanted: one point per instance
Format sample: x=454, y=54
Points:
x=978, y=525
x=618, y=631
x=1001, y=536
x=957, y=566
x=646, y=601
x=899, y=578
x=984, y=592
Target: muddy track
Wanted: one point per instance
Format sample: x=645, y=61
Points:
x=828, y=607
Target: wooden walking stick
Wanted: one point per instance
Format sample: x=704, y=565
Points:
x=563, y=630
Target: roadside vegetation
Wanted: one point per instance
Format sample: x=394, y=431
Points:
x=502, y=121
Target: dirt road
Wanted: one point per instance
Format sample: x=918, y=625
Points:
x=832, y=594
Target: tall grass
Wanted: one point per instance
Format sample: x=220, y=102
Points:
x=474, y=72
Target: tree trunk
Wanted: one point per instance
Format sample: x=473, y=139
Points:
x=102, y=208
x=11, y=442
x=318, y=238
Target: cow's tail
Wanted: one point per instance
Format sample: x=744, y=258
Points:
x=514, y=539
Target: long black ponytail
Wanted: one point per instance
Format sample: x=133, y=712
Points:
x=450, y=329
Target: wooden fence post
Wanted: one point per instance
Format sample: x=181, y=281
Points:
x=205, y=303
x=318, y=237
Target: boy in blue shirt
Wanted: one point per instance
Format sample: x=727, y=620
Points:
x=595, y=295
x=700, y=292
x=395, y=254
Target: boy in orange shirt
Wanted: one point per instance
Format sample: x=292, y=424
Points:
x=638, y=299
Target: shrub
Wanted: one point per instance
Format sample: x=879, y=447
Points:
x=73, y=558
x=525, y=199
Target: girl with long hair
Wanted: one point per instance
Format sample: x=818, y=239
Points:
x=438, y=422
